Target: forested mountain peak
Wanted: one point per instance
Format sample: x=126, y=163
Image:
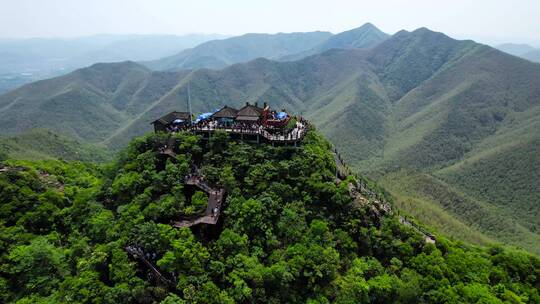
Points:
x=419, y=100
x=290, y=233
x=123, y=66
x=364, y=36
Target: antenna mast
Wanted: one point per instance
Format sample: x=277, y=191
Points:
x=189, y=103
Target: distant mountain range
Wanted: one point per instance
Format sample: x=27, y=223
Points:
x=452, y=128
x=27, y=60
x=218, y=54
x=294, y=46
x=524, y=51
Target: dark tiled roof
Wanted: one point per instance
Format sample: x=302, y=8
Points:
x=250, y=110
x=226, y=112
x=247, y=118
x=167, y=119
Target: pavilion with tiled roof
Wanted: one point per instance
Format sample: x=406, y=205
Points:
x=249, y=113
x=162, y=123
x=225, y=112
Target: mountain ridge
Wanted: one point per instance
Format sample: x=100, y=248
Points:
x=26, y=60
x=220, y=53
x=363, y=37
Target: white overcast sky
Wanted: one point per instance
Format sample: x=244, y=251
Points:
x=492, y=21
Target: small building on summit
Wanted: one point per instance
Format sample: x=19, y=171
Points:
x=225, y=112
x=170, y=121
x=225, y=116
x=249, y=113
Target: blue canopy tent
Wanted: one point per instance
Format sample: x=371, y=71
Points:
x=281, y=115
x=204, y=116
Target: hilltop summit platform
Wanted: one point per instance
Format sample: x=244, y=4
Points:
x=250, y=123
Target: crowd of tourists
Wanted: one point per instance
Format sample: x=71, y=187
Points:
x=255, y=127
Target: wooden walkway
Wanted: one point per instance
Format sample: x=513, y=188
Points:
x=342, y=171
x=137, y=253
x=213, y=208
x=167, y=148
x=429, y=238
x=168, y=152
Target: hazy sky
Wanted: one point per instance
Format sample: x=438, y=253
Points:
x=490, y=21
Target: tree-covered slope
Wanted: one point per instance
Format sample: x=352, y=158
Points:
x=512, y=186
x=87, y=104
x=481, y=124
x=465, y=102
x=39, y=144
x=460, y=213
x=289, y=234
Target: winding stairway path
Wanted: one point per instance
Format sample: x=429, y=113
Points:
x=215, y=196
x=213, y=208
x=430, y=238
x=341, y=173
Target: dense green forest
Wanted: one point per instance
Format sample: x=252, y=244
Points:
x=290, y=233
x=457, y=114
